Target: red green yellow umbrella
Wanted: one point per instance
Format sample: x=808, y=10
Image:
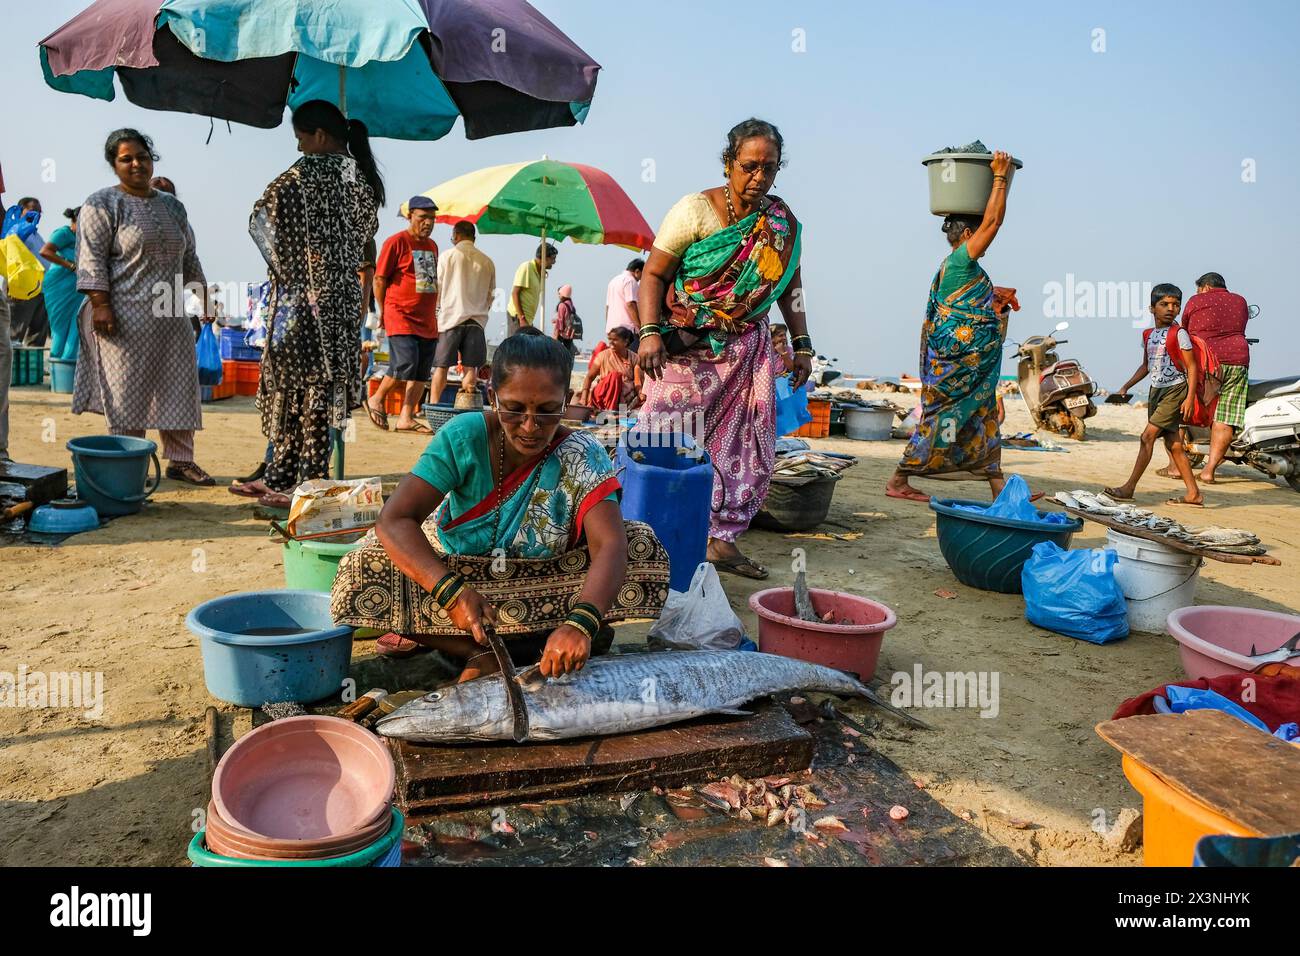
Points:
x=544, y=198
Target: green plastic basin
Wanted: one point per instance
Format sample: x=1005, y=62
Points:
x=311, y=565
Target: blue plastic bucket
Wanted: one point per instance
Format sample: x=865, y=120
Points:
x=63, y=375
x=1229, y=851
x=111, y=470
x=671, y=492
x=270, y=646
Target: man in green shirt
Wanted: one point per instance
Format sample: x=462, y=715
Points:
x=527, y=290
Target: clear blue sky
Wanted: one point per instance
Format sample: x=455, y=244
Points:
x=1133, y=156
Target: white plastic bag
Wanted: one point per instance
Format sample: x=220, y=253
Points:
x=699, y=619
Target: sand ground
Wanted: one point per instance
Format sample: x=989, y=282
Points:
x=125, y=788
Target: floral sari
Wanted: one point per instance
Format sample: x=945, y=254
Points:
x=728, y=280
x=961, y=354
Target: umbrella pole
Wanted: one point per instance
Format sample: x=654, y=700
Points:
x=543, y=268
x=343, y=90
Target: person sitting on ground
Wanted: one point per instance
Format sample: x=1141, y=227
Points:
x=613, y=377
x=467, y=280
x=406, y=295
x=511, y=521
x=1173, y=387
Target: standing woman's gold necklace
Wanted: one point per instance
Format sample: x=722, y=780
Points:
x=731, y=210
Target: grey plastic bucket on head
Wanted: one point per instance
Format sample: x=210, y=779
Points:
x=960, y=183
x=111, y=472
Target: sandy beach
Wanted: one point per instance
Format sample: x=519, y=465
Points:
x=124, y=789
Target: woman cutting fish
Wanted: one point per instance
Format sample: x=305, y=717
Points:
x=511, y=521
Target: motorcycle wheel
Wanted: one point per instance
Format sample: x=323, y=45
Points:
x=1078, y=431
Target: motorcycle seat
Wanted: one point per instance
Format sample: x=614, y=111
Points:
x=1258, y=391
x=1064, y=365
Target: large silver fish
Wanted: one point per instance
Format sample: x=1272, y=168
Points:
x=611, y=695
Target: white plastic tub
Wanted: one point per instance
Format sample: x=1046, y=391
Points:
x=1155, y=578
x=868, y=424
x=961, y=182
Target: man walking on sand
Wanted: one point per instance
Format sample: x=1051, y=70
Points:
x=406, y=296
x=466, y=281
x=527, y=289
x=1219, y=317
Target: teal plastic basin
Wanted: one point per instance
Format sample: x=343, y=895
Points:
x=988, y=553
x=384, y=852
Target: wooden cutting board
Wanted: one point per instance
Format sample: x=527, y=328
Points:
x=432, y=779
x=1234, y=769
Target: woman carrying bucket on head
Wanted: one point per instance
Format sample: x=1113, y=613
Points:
x=511, y=521
x=961, y=353
x=722, y=258
x=136, y=364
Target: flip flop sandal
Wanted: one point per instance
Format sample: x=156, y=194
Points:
x=738, y=566
x=1184, y=501
x=394, y=645
x=191, y=474
x=241, y=488
x=1111, y=493
x=377, y=418
x=1037, y=495
x=419, y=428
x=919, y=497
x=276, y=499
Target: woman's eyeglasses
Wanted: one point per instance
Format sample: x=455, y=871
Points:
x=516, y=418
x=768, y=169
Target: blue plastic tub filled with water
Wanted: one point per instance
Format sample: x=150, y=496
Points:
x=271, y=646
x=668, y=483
x=986, y=546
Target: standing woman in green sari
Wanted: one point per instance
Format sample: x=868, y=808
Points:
x=62, y=300
x=722, y=258
x=961, y=354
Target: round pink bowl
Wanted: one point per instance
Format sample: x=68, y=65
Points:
x=1214, y=640
x=303, y=778
x=853, y=647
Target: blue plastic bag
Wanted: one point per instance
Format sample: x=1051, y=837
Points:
x=791, y=407
x=207, y=351
x=1013, y=502
x=1075, y=593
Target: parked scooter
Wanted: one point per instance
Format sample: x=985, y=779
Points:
x=1058, y=393
x=1270, y=438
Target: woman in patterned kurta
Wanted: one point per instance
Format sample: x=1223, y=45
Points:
x=526, y=512
x=721, y=260
x=961, y=353
x=135, y=256
x=312, y=225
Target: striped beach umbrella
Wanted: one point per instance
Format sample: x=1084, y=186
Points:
x=545, y=198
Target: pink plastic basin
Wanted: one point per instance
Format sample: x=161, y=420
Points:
x=853, y=647
x=1215, y=640
x=303, y=778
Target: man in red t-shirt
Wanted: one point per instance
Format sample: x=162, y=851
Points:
x=1219, y=317
x=406, y=294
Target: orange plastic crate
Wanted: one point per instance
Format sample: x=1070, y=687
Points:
x=393, y=400
x=242, y=374
x=820, y=426
x=217, y=392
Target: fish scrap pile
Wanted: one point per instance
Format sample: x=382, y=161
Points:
x=768, y=800
x=1212, y=538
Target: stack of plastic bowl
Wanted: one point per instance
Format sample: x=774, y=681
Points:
x=303, y=791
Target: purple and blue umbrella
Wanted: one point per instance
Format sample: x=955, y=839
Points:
x=407, y=68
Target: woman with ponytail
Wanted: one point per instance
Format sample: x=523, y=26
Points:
x=312, y=226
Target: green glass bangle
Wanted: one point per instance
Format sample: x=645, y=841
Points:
x=581, y=625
